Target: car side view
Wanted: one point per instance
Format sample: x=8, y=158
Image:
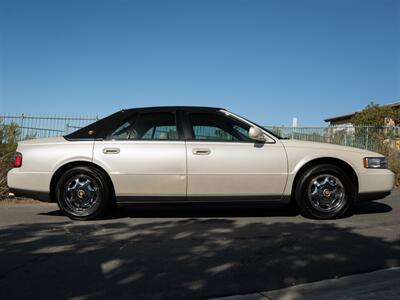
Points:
x=193, y=154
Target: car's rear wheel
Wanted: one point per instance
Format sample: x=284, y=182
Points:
x=83, y=194
x=325, y=192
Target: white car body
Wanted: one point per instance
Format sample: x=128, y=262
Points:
x=192, y=170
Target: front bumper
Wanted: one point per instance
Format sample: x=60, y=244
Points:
x=376, y=181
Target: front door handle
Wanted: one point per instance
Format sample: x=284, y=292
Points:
x=111, y=150
x=201, y=151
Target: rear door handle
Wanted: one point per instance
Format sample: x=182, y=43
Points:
x=111, y=150
x=201, y=151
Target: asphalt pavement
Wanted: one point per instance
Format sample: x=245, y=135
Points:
x=182, y=252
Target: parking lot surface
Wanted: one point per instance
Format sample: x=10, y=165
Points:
x=180, y=252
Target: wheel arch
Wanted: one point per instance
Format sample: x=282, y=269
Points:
x=326, y=160
x=57, y=174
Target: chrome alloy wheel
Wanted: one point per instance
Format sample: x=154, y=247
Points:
x=326, y=193
x=81, y=194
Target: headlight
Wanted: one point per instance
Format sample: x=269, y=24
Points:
x=375, y=162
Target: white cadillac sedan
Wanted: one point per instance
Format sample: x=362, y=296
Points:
x=192, y=154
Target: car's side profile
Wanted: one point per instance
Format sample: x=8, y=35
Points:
x=190, y=154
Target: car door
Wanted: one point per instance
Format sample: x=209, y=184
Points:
x=145, y=156
x=223, y=161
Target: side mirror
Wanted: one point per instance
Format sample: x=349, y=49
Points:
x=256, y=133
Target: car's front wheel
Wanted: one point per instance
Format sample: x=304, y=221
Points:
x=82, y=193
x=325, y=192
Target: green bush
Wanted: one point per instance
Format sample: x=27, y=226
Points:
x=394, y=165
x=9, y=134
x=393, y=157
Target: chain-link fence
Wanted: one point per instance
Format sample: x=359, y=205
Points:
x=41, y=126
x=366, y=137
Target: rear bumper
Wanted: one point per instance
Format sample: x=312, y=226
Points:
x=42, y=196
x=34, y=185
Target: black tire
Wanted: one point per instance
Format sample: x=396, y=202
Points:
x=92, y=203
x=324, y=201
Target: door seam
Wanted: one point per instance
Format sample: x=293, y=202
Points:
x=186, y=175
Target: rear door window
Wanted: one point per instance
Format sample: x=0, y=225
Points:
x=148, y=126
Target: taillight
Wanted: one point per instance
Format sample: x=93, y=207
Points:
x=17, y=161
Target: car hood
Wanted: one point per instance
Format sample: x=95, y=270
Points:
x=306, y=145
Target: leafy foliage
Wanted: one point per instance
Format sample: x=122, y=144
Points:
x=9, y=134
x=394, y=164
x=374, y=115
x=388, y=148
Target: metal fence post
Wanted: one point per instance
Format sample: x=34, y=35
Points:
x=366, y=139
x=22, y=126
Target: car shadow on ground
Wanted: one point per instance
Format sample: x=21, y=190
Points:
x=188, y=258
x=371, y=208
x=202, y=211
x=228, y=210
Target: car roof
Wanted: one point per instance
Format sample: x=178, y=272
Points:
x=162, y=108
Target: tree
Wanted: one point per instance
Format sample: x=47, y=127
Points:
x=374, y=115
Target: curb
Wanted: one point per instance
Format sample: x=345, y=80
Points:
x=382, y=284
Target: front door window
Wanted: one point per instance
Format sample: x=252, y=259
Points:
x=217, y=127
